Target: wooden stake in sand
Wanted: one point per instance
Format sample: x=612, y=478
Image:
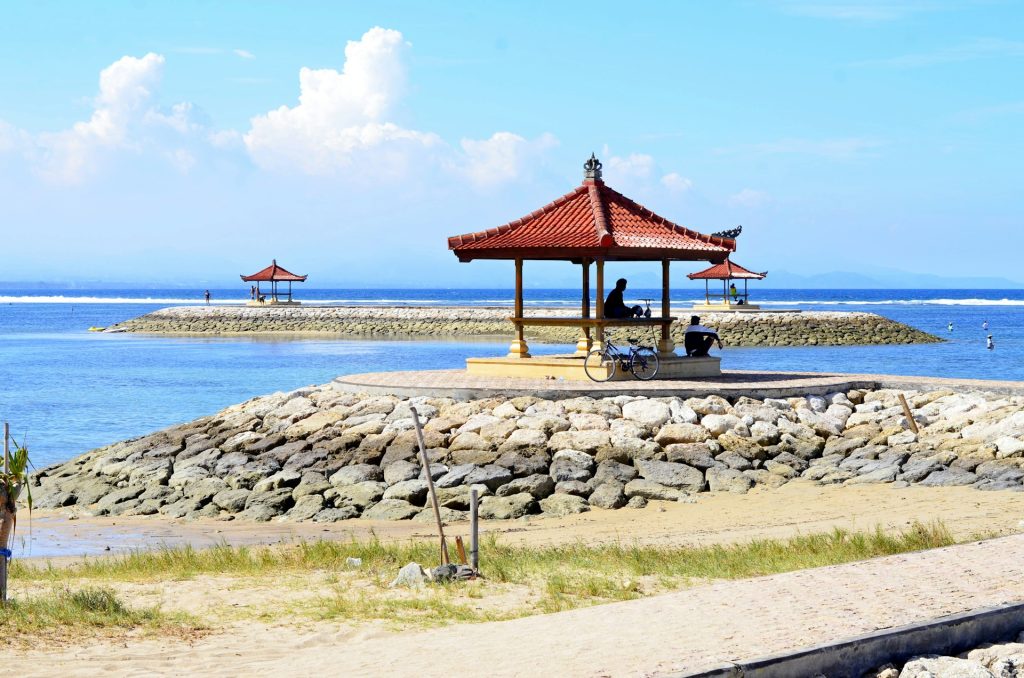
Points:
x=474, y=533
x=6, y=518
x=906, y=413
x=445, y=560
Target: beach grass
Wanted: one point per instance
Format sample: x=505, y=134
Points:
x=63, y=611
x=518, y=580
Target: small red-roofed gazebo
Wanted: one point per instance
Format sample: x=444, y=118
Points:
x=591, y=225
x=727, y=271
x=274, y=274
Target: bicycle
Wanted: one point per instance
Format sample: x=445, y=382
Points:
x=641, y=361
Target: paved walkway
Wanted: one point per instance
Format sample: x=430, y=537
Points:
x=734, y=383
x=686, y=631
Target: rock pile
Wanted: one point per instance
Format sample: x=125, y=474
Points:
x=1000, y=660
x=322, y=454
x=761, y=329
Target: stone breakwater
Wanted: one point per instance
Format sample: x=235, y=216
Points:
x=736, y=329
x=321, y=454
x=992, y=660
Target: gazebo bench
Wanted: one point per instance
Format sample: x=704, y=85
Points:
x=587, y=324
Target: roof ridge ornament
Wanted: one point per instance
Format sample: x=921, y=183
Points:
x=730, y=234
x=592, y=168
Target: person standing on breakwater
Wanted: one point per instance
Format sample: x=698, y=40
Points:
x=698, y=339
x=734, y=292
x=989, y=344
x=614, y=307
x=252, y=292
x=206, y=295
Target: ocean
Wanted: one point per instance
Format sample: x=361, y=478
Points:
x=67, y=390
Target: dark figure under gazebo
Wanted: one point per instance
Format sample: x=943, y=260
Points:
x=273, y=274
x=592, y=224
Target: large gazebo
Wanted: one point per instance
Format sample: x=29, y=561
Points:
x=592, y=224
x=274, y=274
x=727, y=271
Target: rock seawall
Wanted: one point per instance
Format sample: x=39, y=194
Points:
x=321, y=454
x=736, y=329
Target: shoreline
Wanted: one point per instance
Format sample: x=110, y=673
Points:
x=767, y=328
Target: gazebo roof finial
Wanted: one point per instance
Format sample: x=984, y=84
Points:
x=592, y=168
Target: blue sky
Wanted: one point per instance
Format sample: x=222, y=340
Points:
x=167, y=142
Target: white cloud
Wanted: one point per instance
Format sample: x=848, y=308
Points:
x=126, y=93
x=341, y=115
x=633, y=166
x=244, y=53
x=749, y=197
x=676, y=183
x=504, y=157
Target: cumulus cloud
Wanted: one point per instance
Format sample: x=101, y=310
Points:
x=676, y=182
x=749, y=197
x=504, y=157
x=340, y=115
x=633, y=166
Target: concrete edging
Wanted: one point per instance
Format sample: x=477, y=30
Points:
x=852, y=657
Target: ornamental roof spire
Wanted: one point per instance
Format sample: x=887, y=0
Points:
x=592, y=168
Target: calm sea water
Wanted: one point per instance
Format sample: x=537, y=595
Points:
x=69, y=390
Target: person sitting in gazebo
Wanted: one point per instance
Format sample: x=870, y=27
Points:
x=698, y=339
x=615, y=307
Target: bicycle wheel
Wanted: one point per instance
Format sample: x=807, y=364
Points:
x=600, y=365
x=644, y=364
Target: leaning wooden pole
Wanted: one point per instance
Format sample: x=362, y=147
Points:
x=445, y=560
x=907, y=413
x=474, y=532
x=7, y=509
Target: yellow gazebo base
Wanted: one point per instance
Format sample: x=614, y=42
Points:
x=719, y=308
x=570, y=367
x=272, y=302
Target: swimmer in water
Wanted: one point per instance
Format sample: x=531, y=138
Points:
x=989, y=344
x=949, y=327
x=984, y=325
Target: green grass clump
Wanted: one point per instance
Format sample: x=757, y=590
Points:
x=554, y=577
x=91, y=607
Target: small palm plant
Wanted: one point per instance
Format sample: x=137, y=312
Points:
x=13, y=481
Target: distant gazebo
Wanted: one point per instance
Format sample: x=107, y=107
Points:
x=273, y=274
x=727, y=271
x=590, y=225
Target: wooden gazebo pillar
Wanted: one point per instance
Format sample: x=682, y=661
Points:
x=666, y=347
x=519, y=349
x=598, y=343
x=583, y=343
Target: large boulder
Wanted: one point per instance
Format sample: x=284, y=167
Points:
x=410, y=491
x=360, y=495
x=672, y=434
x=728, y=480
x=571, y=465
x=492, y=476
x=391, y=509
x=671, y=474
x=537, y=485
x=357, y=473
x=558, y=505
x=610, y=494
x=649, y=413
x=651, y=490
x=508, y=508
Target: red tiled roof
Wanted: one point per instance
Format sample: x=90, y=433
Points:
x=272, y=273
x=726, y=270
x=591, y=221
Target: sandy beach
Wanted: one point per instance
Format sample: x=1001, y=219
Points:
x=847, y=599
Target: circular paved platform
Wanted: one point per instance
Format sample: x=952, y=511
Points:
x=733, y=383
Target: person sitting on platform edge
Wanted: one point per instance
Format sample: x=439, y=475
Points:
x=698, y=339
x=614, y=307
